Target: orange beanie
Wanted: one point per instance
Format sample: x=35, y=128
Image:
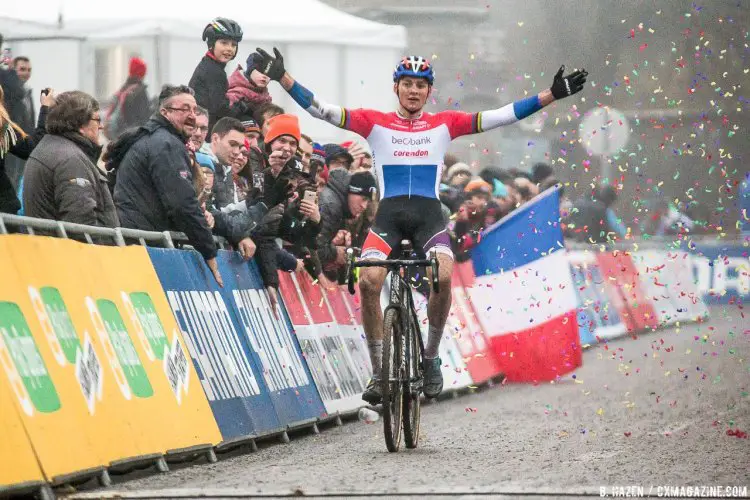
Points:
x=282, y=125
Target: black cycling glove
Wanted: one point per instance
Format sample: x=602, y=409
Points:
x=564, y=86
x=272, y=67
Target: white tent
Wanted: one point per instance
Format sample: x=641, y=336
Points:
x=85, y=44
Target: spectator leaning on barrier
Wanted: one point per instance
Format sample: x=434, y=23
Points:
x=345, y=196
x=62, y=180
x=282, y=140
x=248, y=89
x=153, y=189
x=227, y=139
x=13, y=140
x=209, y=80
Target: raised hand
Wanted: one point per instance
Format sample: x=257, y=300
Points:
x=564, y=86
x=272, y=67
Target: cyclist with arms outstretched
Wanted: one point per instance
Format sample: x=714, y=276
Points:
x=408, y=146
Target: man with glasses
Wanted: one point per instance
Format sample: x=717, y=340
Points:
x=200, y=132
x=153, y=188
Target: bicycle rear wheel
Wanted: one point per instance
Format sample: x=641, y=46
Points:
x=412, y=386
x=391, y=376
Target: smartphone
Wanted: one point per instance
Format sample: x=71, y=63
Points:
x=310, y=196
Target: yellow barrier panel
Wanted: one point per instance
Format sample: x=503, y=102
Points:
x=17, y=461
x=99, y=317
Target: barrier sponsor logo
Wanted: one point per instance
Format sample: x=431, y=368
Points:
x=282, y=368
x=104, y=312
x=149, y=329
x=89, y=374
x=56, y=323
x=721, y=277
x=23, y=363
x=176, y=368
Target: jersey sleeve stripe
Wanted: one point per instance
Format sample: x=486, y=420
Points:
x=345, y=117
x=478, y=122
x=526, y=107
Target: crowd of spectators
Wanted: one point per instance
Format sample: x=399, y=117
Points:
x=218, y=157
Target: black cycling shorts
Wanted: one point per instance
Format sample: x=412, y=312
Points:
x=415, y=218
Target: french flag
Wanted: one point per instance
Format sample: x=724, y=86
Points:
x=524, y=293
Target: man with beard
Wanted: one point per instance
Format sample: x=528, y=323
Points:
x=154, y=190
x=200, y=131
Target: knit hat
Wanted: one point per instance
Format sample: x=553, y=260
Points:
x=362, y=183
x=136, y=67
x=253, y=61
x=250, y=126
x=501, y=190
x=205, y=161
x=478, y=186
x=334, y=151
x=282, y=125
x=318, y=153
x=458, y=168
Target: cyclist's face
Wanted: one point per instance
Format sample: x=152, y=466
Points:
x=225, y=50
x=412, y=93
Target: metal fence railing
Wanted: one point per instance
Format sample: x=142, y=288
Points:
x=119, y=236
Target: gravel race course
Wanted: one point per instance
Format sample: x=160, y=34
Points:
x=666, y=408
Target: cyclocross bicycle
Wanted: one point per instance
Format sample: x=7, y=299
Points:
x=403, y=348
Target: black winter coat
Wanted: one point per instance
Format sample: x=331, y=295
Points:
x=209, y=81
x=154, y=187
x=334, y=210
x=24, y=146
x=62, y=182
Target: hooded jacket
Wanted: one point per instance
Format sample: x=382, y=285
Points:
x=154, y=185
x=62, y=182
x=242, y=89
x=209, y=82
x=334, y=210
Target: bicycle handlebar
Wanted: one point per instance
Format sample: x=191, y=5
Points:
x=392, y=265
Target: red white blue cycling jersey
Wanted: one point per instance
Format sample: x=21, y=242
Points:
x=408, y=153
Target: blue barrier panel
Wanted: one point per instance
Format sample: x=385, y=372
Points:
x=272, y=343
x=233, y=384
x=722, y=270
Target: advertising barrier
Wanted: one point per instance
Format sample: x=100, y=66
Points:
x=667, y=280
x=93, y=357
x=339, y=371
x=722, y=269
x=248, y=362
x=19, y=465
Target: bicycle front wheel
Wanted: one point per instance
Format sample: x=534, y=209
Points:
x=391, y=377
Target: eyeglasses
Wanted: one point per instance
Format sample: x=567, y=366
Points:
x=202, y=129
x=96, y=119
x=186, y=109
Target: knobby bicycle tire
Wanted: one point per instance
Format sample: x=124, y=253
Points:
x=411, y=385
x=391, y=375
